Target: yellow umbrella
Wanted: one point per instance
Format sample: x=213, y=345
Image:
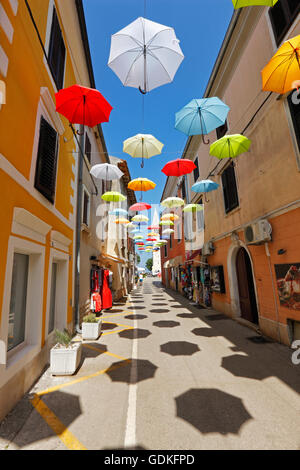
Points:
x=140, y=218
x=169, y=217
x=153, y=234
x=283, y=69
x=141, y=184
x=172, y=202
x=142, y=146
x=122, y=221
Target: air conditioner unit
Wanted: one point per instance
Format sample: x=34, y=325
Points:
x=208, y=249
x=258, y=233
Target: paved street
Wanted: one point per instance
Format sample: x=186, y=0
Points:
x=164, y=375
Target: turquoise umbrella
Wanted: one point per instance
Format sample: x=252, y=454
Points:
x=204, y=186
x=118, y=211
x=201, y=116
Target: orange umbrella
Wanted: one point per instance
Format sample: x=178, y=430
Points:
x=283, y=69
x=122, y=221
x=169, y=217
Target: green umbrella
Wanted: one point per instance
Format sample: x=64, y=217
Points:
x=248, y=3
x=113, y=196
x=138, y=237
x=193, y=208
x=172, y=202
x=166, y=222
x=230, y=146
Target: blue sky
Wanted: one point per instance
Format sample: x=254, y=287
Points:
x=200, y=25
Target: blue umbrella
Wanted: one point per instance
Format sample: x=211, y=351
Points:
x=201, y=116
x=204, y=186
x=118, y=211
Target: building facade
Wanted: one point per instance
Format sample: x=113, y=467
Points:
x=43, y=48
x=251, y=251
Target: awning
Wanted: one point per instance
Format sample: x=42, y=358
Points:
x=113, y=258
x=171, y=263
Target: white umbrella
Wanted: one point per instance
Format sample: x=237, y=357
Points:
x=145, y=54
x=142, y=146
x=106, y=171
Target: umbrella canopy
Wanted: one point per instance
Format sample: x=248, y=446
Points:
x=230, y=146
x=204, y=186
x=193, y=208
x=201, y=116
x=131, y=226
x=283, y=69
x=139, y=218
x=151, y=239
x=142, y=146
x=138, y=237
x=106, y=171
x=82, y=105
x=247, y=3
x=172, y=202
x=153, y=227
x=145, y=55
x=169, y=217
x=121, y=221
x=178, y=167
x=166, y=222
x=153, y=234
x=141, y=184
x=118, y=211
x=168, y=231
x=136, y=222
x=113, y=196
x=140, y=206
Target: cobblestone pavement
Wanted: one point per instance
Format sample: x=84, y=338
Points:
x=164, y=374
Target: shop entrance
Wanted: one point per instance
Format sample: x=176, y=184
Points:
x=246, y=289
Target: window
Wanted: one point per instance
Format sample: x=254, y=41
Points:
x=87, y=148
x=282, y=15
x=166, y=251
x=183, y=191
x=45, y=175
x=170, y=240
x=17, y=309
x=196, y=170
x=229, y=188
x=295, y=115
x=57, y=52
x=86, y=208
x=52, y=298
x=221, y=130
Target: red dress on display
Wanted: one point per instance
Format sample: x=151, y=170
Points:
x=106, y=292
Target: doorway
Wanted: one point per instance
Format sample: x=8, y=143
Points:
x=247, y=298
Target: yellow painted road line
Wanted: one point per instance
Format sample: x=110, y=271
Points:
x=117, y=331
x=82, y=379
x=56, y=425
x=104, y=352
x=118, y=324
x=118, y=314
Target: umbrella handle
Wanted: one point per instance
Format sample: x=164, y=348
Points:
x=206, y=143
x=206, y=200
x=142, y=91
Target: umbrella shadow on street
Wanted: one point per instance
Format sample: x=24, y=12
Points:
x=108, y=326
x=206, y=332
x=179, y=348
x=136, y=317
x=92, y=349
x=131, y=371
x=160, y=310
x=166, y=324
x=62, y=410
x=135, y=333
x=138, y=307
x=212, y=411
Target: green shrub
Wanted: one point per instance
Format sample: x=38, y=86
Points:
x=91, y=318
x=63, y=337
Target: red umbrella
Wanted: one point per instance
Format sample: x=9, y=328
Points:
x=153, y=227
x=178, y=167
x=151, y=240
x=140, y=206
x=81, y=105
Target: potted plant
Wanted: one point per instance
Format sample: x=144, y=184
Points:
x=65, y=355
x=91, y=327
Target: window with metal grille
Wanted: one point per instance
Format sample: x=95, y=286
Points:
x=196, y=170
x=87, y=147
x=282, y=15
x=45, y=174
x=229, y=188
x=295, y=115
x=57, y=52
x=221, y=130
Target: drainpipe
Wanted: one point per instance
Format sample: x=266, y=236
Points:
x=273, y=288
x=78, y=233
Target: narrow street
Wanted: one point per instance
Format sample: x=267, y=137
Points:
x=164, y=374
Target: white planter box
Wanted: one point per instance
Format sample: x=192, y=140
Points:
x=64, y=361
x=91, y=330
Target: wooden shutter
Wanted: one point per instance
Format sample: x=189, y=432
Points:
x=88, y=148
x=229, y=188
x=45, y=175
x=196, y=170
x=295, y=114
x=86, y=205
x=282, y=15
x=57, y=52
x=221, y=130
